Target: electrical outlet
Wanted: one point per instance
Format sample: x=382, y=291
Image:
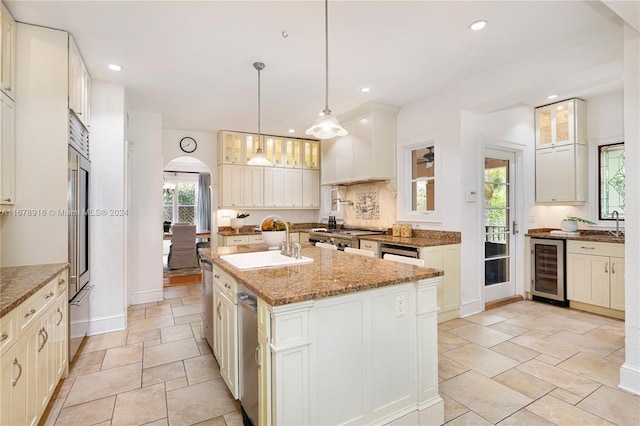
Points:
x=401, y=305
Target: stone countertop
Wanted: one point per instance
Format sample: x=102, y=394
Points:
x=585, y=235
x=226, y=231
x=332, y=273
x=20, y=282
x=420, y=238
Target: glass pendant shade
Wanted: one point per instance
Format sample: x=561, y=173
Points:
x=326, y=127
x=259, y=159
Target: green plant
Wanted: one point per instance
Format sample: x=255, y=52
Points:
x=242, y=215
x=579, y=219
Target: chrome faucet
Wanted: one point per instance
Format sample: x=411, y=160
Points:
x=616, y=215
x=285, y=248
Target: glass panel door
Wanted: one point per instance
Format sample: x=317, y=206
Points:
x=498, y=202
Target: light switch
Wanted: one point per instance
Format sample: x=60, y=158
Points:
x=471, y=196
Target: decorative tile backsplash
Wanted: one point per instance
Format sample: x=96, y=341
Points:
x=367, y=205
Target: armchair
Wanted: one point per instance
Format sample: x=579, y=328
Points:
x=183, y=252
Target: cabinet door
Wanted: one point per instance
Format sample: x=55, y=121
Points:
x=364, y=161
x=264, y=379
x=311, y=188
x=329, y=161
x=617, y=283
x=588, y=279
x=60, y=337
x=230, y=150
x=13, y=386
x=293, y=188
x=8, y=67
x=231, y=180
x=273, y=187
x=344, y=155
x=293, y=153
x=564, y=176
x=217, y=321
x=273, y=149
x=433, y=259
x=229, y=344
x=45, y=355
x=7, y=151
x=311, y=154
x=545, y=164
x=251, y=144
x=252, y=186
x=451, y=280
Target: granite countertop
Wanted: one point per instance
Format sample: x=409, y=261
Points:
x=420, y=238
x=332, y=273
x=585, y=235
x=227, y=231
x=20, y=282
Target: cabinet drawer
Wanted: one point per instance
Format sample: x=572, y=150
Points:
x=595, y=248
x=237, y=241
x=226, y=284
x=255, y=239
x=8, y=331
x=31, y=309
x=61, y=283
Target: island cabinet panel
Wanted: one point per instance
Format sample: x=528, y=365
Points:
x=446, y=258
x=362, y=358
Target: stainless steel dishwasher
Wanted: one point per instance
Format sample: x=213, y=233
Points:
x=248, y=339
x=207, y=300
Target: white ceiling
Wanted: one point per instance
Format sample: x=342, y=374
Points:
x=192, y=61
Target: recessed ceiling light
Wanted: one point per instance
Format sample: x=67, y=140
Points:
x=292, y=130
x=365, y=89
x=552, y=96
x=114, y=67
x=478, y=25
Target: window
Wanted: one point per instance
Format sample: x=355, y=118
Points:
x=180, y=198
x=423, y=180
x=611, y=183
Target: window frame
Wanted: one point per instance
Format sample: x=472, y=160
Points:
x=178, y=178
x=405, y=187
x=599, y=180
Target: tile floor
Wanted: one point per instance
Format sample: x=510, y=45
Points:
x=522, y=364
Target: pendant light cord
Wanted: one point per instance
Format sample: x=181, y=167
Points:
x=258, y=107
x=326, y=56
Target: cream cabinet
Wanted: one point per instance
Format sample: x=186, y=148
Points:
x=231, y=148
x=446, y=258
x=225, y=325
x=239, y=240
x=311, y=188
x=368, y=152
x=273, y=149
x=595, y=274
x=292, y=196
x=79, y=85
x=34, y=354
x=274, y=187
x=230, y=178
x=8, y=56
x=292, y=156
x=252, y=194
x=311, y=154
x=7, y=150
x=561, y=153
x=373, y=246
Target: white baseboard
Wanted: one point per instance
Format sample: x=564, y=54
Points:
x=147, y=296
x=107, y=324
x=470, y=308
x=630, y=378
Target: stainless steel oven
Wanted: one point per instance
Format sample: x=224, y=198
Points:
x=406, y=251
x=342, y=238
x=547, y=271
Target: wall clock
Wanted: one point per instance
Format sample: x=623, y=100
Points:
x=188, y=144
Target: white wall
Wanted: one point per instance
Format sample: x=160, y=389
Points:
x=144, y=236
x=206, y=151
x=42, y=137
x=107, y=243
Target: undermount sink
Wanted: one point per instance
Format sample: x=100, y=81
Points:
x=263, y=259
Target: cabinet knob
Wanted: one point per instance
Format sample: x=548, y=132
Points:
x=31, y=312
x=61, y=280
x=4, y=336
x=8, y=200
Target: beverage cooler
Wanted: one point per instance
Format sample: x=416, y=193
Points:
x=548, y=281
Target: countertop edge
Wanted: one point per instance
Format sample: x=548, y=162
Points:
x=56, y=268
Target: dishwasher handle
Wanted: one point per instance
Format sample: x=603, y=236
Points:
x=206, y=264
x=247, y=302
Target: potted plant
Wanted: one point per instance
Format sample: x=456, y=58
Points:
x=238, y=222
x=274, y=231
x=570, y=224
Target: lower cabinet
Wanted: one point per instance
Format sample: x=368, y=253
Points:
x=446, y=258
x=595, y=275
x=225, y=329
x=241, y=240
x=31, y=368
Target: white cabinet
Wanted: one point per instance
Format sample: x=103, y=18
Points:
x=311, y=188
x=561, y=153
x=231, y=185
x=292, y=188
x=368, y=152
x=373, y=246
x=446, y=258
x=273, y=187
x=595, y=274
x=79, y=85
x=7, y=150
x=292, y=156
x=225, y=325
x=8, y=56
x=252, y=186
x=561, y=174
x=311, y=154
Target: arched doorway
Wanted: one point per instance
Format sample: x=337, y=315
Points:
x=186, y=201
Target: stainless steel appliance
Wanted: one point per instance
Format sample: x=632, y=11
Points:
x=547, y=271
x=248, y=338
x=78, y=213
x=207, y=300
x=344, y=237
x=406, y=251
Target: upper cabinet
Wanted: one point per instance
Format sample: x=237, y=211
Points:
x=561, y=153
x=8, y=46
x=368, y=152
x=7, y=150
x=79, y=85
x=561, y=123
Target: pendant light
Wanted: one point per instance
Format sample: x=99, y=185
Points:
x=259, y=159
x=326, y=126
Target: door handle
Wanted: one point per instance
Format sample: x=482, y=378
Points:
x=514, y=227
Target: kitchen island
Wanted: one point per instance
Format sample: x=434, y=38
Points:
x=346, y=339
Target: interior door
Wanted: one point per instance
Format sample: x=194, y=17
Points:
x=499, y=224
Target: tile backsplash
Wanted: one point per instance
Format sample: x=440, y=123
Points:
x=374, y=205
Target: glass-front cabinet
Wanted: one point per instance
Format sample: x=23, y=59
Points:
x=292, y=153
x=230, y=148
x=560, y=123
x=251, y=144
x=311, y=154
x=273, y=149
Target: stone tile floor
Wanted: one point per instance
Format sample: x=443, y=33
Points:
x=525, y=363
